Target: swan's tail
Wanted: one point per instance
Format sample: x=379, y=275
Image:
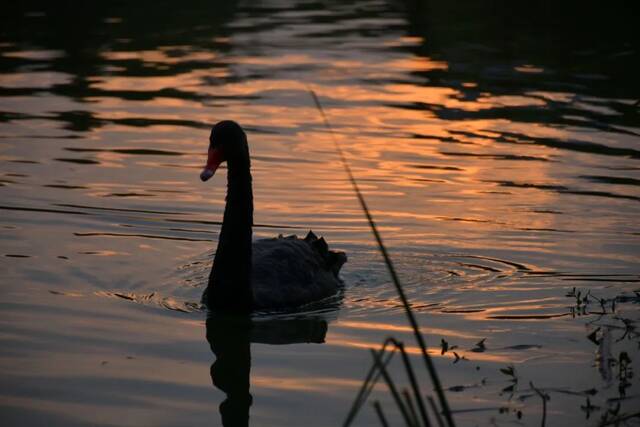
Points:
x=334, y=260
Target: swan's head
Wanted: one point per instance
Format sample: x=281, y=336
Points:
x=227, y=142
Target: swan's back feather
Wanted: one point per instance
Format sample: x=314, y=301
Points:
x=289, y=272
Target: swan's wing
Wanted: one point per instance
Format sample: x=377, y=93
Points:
x=288, y=273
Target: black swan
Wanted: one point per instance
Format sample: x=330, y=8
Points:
x=268, y=274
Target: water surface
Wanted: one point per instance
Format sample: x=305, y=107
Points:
x=502, y=171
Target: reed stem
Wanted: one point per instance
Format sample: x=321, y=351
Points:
x=410, y=407
x=434, y=408
x=544, y=398
x=396, y=281
x=392, y=388
x=381, y=417
x=366, y=388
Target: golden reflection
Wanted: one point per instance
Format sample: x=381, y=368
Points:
x=41, y=55
x=404, y=41
x=522, y=310
x=328, y=385
x=191, y=80
x=416, y=63
x=163, y=55
x=105, y=252
x=511, y=101
x=287, y=59
x=158, y=107
x=385, y=327
x=147, y=247
x=344, y=341
x=529, y=69
x=554, y=96
x=34, y=79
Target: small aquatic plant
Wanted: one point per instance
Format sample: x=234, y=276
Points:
x=608, y=322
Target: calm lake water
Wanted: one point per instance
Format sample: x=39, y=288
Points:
x=500, y=158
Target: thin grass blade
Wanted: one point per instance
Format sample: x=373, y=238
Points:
x=392, y=271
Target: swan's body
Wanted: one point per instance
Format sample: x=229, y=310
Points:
x=266, y=274
x=289, y=272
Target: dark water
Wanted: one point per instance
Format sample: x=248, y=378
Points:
x=498, y=149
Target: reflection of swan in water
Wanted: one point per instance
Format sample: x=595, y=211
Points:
x=230, y=338
x=268, y=274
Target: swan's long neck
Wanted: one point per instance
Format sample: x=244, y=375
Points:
x=230, y=279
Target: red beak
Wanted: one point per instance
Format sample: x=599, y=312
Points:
x=214, y=158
